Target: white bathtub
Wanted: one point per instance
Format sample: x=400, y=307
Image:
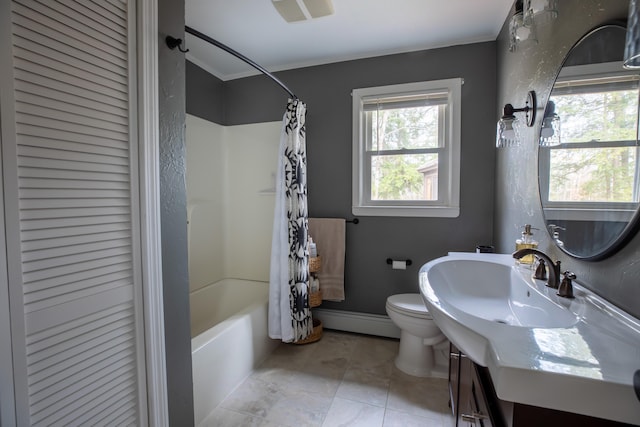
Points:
x=229, y=339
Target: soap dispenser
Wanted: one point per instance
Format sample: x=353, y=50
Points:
x=556, y=234
x=527, y=242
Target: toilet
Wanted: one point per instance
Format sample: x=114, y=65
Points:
x=419, y=335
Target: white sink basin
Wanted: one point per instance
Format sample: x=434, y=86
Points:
x=502, y=318
x=494, y=292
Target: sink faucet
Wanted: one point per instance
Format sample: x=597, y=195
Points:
x=566, y=288
x=554, y=268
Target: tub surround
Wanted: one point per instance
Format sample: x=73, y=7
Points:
x=585, y=367
x=229, y=212
x=205, y=156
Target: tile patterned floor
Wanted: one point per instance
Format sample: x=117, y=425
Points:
x=342, y=380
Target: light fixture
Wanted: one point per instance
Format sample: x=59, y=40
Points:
x=632, y=46
x=507, y=132
x=532, y=8
x=550, y=131
x=523, y=23
x=520, y=27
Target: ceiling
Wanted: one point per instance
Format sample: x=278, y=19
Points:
x=357, y=29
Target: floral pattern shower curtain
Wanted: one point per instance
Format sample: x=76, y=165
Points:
x=289, y=314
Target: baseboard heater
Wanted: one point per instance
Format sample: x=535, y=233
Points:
x=362, y=323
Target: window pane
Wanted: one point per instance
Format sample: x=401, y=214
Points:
x=592, y=174
x=404, y=177
x=408, y=128
x=601, y=116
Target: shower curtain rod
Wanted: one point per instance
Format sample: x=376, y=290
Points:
x=239, y=56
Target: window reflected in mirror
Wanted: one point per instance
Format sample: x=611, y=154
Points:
x=596, y=160
x=588, y=163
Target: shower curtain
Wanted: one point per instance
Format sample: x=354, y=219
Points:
x=289, y=314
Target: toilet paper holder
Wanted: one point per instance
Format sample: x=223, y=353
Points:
x=407, y=261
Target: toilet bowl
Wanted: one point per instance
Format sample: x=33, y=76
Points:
x=419, y=335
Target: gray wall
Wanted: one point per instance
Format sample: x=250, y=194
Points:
x=327, y=92
x=533, y=67
x=205, y=93
x=174, y=215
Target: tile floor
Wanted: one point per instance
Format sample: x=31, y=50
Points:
x=342, y=380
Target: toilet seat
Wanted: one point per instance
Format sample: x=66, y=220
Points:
x=409, y=304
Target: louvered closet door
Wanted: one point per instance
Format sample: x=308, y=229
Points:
x=72, y=220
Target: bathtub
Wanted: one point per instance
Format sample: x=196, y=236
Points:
x=229, y=339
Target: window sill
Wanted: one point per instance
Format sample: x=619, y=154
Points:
x=594, y=214
x=407, y=211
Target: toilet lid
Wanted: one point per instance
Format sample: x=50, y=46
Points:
x=409, y=303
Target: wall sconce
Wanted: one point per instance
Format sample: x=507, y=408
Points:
x=632, y=46
x=523, y=26
x=550, y=131
x=507, y=132
x=520, y=29
x=540, y=7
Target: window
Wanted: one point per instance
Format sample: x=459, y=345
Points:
x=406, y=149
x=593, y=172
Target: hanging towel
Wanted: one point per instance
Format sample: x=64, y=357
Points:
x=329, y=236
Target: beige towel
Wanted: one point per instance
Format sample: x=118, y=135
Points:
x=329, y=236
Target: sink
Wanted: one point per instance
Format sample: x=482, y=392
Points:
x=493, y=291
x=478, y=299
x=524, y=333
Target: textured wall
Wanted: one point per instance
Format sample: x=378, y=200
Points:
x=533, y=67
x=327, y=91
x=174, y=215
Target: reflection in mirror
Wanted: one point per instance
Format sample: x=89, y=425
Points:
x=588, y=160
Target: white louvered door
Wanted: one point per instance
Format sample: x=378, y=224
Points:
x=72, y=215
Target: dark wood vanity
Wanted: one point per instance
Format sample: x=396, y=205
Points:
x=474, y=402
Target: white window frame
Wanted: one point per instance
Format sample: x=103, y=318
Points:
x=448, y=203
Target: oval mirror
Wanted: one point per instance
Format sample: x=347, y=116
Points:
x=588, y=164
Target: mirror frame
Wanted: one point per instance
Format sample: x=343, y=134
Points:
x=633, y=225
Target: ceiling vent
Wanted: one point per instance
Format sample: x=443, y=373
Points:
x=301, y=10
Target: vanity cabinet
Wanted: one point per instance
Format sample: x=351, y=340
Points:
x=474, y=402
x=470, y=403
